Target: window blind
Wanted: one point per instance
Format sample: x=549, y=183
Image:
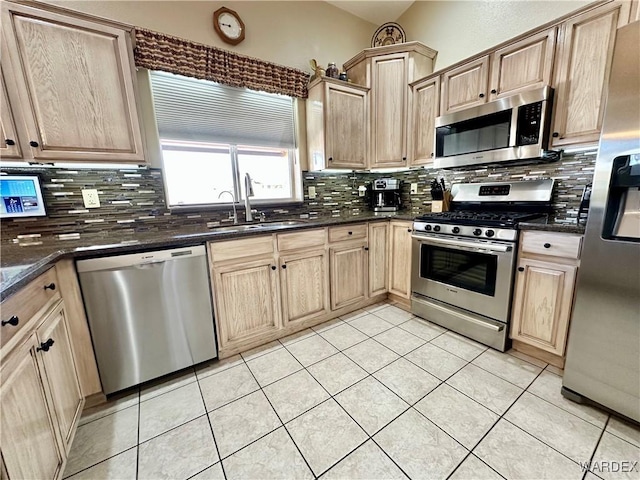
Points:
x=188, y=109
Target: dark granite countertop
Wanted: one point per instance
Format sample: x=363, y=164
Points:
x=21, y=264
x=551, y=226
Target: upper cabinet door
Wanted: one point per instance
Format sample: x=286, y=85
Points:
x=523, y=65
x=347, y=122
x=9, y=145
x=389, y=92
x=425, y=107
x=75, y=84
x=465, y=86
x=585, y=49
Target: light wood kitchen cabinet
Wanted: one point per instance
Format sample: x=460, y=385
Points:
x=304, y=283
x=75, y=88
x=378, y=258
x=400, y=258
x=544, y=290
x=425, y=107
x=9, y=144
x=348, y=274
x=337, y=125
x=585, y=50
x=465, y=86
x=522, y=65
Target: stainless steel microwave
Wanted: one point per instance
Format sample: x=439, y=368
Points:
x=507, y=129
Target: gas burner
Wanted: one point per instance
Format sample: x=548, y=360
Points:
x=486, y=219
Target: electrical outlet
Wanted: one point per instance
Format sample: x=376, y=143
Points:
x=91, y=198
x=414, y=188
x=312, y=192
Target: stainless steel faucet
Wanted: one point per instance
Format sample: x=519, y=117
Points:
x=248, y=192
x=233, y=203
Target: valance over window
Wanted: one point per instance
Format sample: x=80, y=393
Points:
x=158, y=51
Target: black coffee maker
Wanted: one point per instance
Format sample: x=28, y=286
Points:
x=384, y=195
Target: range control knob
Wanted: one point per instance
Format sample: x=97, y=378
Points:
x=427, y=228
x=436, y=228
x=455, y=229
x=477, y=232
x=489, y=233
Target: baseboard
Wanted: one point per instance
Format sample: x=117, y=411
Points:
x=538, y=353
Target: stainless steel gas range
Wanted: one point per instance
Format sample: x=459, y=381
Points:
x=463, y=261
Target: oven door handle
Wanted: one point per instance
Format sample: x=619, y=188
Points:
x=491, y=326
x=450, y=242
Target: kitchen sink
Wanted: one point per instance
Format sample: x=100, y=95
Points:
x=246, y=227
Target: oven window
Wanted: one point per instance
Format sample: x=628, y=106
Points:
x=489, y=132
x=458, y=268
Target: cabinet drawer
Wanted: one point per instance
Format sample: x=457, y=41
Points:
x=555, y=244
x=242, y=247
x=24, y=304
x=298, y=240
x=348, y=232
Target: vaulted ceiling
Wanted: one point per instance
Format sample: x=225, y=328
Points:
x=376, y=11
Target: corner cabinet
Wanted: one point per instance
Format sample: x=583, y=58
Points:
x=74, y=86
x=337, y=125
x=544, y=290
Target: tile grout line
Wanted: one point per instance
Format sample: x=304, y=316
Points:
x=595, y=449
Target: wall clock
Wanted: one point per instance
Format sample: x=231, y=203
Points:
x=388, y=34
x=228, y=25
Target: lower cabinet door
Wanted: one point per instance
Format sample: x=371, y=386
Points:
x=246, y=298
x=348, y=274
x=27, y=435
x=400, y=258
x=378, y=276
x=542, y=304
x=304, y=284
x=61, y=372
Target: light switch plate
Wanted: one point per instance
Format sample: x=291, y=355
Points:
x=90, y=198
x=414, y=188
x=312, y=192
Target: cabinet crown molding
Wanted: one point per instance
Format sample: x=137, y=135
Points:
x=407, y=47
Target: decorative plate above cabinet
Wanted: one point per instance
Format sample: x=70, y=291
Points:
x=388, y=34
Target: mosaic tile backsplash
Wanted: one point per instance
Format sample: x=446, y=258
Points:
x=133, y=201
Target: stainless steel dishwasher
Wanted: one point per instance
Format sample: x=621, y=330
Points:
x=149, y=313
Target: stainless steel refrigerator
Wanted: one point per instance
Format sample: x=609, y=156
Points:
x=603, y=353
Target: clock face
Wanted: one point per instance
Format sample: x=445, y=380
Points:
x=388, y=34
x=229, y=25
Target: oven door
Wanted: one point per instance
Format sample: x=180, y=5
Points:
x=472, y=274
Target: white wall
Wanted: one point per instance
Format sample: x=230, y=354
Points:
x=459, y=29
x=288, y=33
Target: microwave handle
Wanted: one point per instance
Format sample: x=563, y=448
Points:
x=513, y=131
x=496, y=247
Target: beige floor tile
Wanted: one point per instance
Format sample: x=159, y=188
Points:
x=311, y=350
x=548, y=386
x=271, y=457
x=613, y=449
x=565, y=432
x=371, y=355
x=212, y=473
x=508, y=367
x=103, y=438
x=347, y=317
x=377, y=306
x=393, y=315
x=261, y=350
x=555, y=370
x=423, y=329
x=166, y=384
x=215, y=366
x=337, y=373
x=169, y=410
x=624, y=430
x=459, y=345
x=485, y=388
x=178, y=453
x=370, y=324
x=273, y=366
x=115, y=404
x=474, y=469
x=527, y=358
x=325, y=434
x=120, y=467
x=367, y=462
x=398, y=340
x=243, y=421
x=296, y=337
x=409, y=382
x=462, y=418
x=328, y=325
x=420, y=448
x=343, y=336
x=436, y=361
x=226, y=386
x=295, y=394
x=517, y=455
x=371, y=404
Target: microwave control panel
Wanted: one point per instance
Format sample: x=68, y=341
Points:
x=529, y=122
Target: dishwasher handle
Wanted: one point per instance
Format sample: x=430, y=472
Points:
x=118, y=262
